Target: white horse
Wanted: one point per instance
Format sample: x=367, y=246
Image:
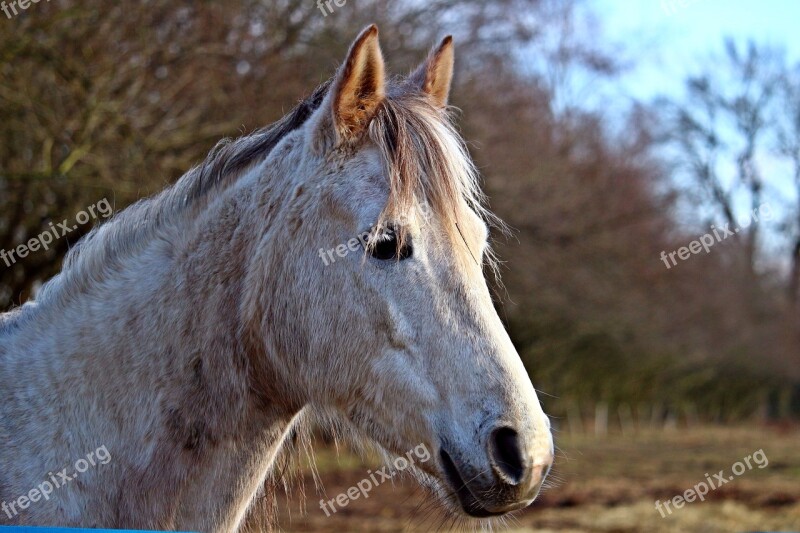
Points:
x=189, y=335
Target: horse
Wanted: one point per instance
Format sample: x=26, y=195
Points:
x=194, y=333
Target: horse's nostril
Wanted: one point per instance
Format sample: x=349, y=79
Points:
x=506, y=454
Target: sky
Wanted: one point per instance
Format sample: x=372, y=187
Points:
x=669, y=38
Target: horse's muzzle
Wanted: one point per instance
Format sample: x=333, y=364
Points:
x=510, y=479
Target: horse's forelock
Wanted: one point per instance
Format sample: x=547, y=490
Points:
x=428, y=163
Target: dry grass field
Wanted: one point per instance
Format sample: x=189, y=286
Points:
x=607, y=484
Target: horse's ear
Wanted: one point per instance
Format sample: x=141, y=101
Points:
x=435, y=75
x=357, y=90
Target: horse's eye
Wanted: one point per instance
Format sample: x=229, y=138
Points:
x=386, y=248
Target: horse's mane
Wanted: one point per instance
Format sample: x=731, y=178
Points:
x=123, y=235
x=229, y=158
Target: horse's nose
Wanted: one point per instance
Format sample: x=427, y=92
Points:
x=516, y=464
x=506, y=457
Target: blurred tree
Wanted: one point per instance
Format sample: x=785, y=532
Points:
x=788, y=139
x=720, y=129
x=733, y=134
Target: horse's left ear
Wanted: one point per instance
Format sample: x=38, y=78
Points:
x=357, y=91
x=435, y=75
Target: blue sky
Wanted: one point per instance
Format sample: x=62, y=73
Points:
x=669, y=38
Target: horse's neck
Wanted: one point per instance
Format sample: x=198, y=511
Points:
x=162, y=346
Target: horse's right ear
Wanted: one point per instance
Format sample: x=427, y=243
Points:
x=357, y=90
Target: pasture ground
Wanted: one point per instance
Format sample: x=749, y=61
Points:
x=600, y=484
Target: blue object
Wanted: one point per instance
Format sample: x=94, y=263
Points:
x=37, y=529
